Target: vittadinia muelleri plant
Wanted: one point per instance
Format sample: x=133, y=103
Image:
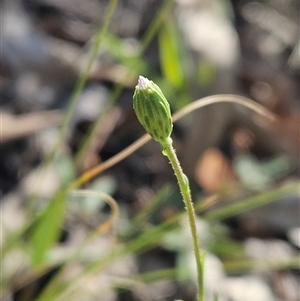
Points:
x=153, y=112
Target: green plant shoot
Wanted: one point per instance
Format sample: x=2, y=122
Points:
x=153, y=112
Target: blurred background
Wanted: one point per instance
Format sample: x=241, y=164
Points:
x=68, y=72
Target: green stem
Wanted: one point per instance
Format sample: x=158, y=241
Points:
x=183, y=182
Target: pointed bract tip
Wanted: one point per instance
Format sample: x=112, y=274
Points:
x=143, y=82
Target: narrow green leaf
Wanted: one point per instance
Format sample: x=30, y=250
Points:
x=216, y=296
x=47, y=229
x=116, y=48
x=206, y=73
x=252, y=202
x=169, y=54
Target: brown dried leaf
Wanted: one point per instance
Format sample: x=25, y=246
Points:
x=14, y=127
x=213, y=171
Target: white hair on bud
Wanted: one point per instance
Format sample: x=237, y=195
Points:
x=143, y=82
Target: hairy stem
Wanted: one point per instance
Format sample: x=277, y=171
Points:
x=183, y=182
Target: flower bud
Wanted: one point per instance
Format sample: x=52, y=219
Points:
x=152, y=110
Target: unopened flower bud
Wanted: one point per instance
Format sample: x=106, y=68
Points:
x=152, y=110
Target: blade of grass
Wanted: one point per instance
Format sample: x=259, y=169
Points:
x=253, y=202
x=77, y=90
x=155, y=25
x=139, y=280
x=84, y=76
x=89, y=137
x=134, y=62
x=152, y=207
x=145, y=278
x=169, y=54
x=247, y=265
x=47, y=229
x=216, y=296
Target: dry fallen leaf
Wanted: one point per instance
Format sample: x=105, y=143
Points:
x=14, y=127
x=213, y=171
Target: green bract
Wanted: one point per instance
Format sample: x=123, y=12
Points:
x=152, y=110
